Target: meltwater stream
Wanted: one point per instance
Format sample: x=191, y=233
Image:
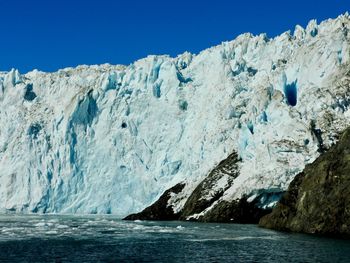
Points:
x=53, y=238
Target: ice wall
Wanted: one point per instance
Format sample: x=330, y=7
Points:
x=111, y=139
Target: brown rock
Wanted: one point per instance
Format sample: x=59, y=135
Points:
x=160, y=209
x=318, y=199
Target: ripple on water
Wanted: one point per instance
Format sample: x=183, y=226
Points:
x=41, y=224
x=51, y=232
x=61, y=226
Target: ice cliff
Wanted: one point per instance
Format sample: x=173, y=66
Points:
x=112, y=139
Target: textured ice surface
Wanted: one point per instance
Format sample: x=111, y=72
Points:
x=111, y=139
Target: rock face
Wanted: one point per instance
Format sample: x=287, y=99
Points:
x=212, y=188
x=318, y=199
x=160, y=209
x=112, y=139
x=204, y=203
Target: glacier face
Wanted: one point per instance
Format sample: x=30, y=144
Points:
x=111, y=139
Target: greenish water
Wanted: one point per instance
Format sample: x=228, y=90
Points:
x=107, y=239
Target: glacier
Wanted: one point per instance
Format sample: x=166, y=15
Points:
x=112, y=138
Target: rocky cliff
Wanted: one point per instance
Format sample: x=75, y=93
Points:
x=318, y=199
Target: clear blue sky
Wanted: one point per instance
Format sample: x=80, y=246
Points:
x=52, y=34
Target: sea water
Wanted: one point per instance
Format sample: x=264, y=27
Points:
x=53, y=238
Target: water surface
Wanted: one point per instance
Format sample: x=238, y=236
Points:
x=53, y=238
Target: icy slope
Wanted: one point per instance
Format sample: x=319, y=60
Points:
x=111, y=139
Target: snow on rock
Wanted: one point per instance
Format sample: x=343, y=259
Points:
x=112, y=139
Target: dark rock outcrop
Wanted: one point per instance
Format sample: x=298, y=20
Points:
x=208, y=194
x=196, y=203
x=238, y=211
x=160, y=209
x=318, y=199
